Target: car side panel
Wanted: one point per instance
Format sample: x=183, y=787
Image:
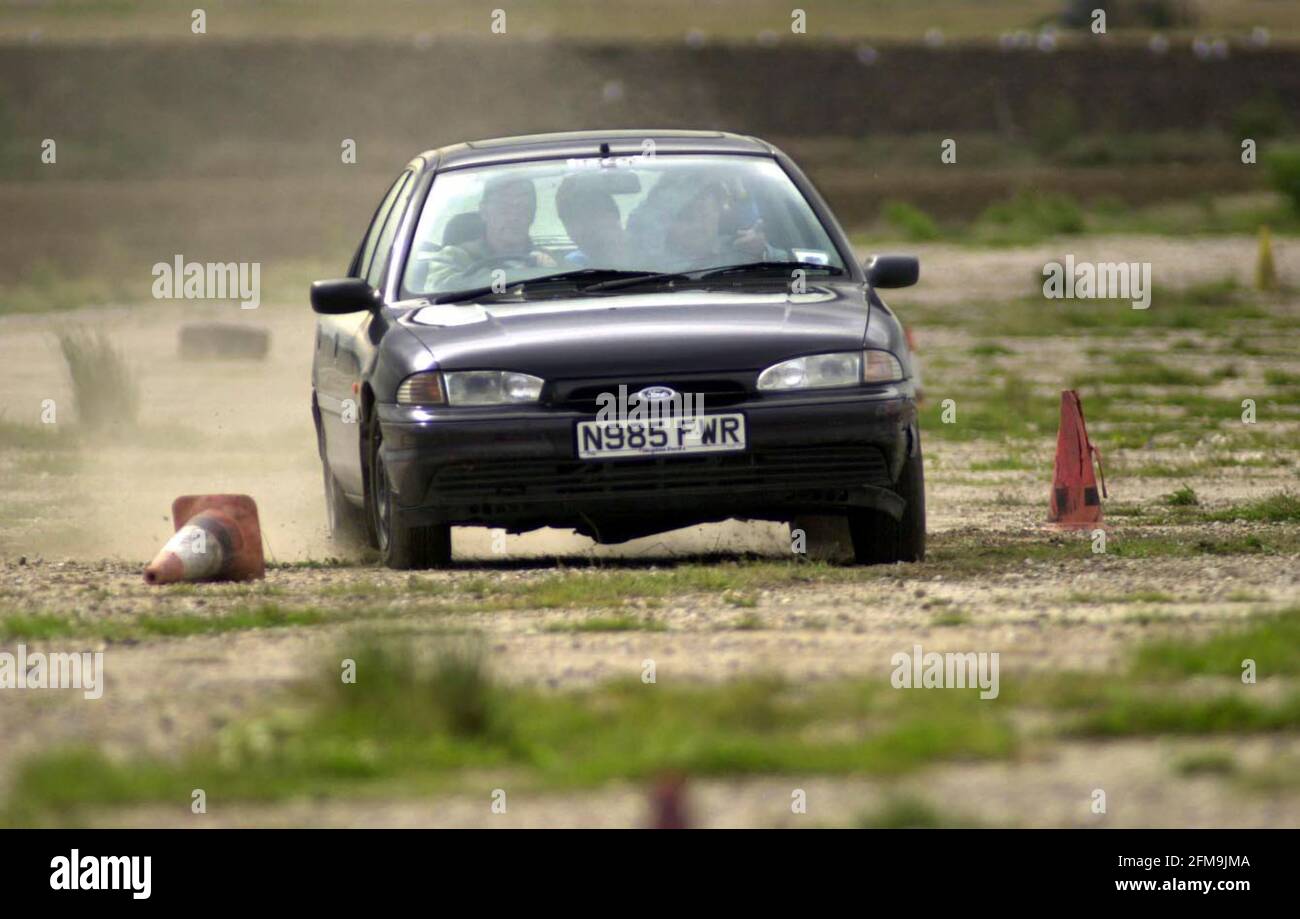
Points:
x=341, y=353
x=346, y=346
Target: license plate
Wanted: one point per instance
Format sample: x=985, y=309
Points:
x=701, y=434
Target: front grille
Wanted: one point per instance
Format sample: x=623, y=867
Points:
x=776, y=469
x=581, y=395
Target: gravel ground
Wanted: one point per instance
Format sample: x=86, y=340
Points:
x=77, y=526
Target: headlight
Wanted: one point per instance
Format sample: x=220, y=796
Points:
x=816, y=372
x=469, y=387
x=822, y=371
x=491, y=387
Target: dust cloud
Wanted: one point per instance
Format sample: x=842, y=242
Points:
x=217, y=426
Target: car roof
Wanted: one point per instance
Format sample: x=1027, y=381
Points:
x=588, y=143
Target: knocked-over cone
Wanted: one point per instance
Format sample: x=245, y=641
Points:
x=217, y=538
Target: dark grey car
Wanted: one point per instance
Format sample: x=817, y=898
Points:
x=616, y=332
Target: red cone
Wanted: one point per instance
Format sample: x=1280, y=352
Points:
x=217, y=538
x=1075, y=503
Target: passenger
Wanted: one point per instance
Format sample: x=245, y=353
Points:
x=688, y=225
x=508, y=207
x=592, y=220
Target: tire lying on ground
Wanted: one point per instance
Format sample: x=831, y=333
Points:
x=217, y=340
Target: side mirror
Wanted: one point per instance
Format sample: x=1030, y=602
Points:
x=344, y=295
x=893, y=270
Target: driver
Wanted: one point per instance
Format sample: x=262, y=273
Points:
x=508, y=206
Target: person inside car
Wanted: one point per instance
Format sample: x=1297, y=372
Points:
x=507, y=209
x=694, y=225
x=592, y=220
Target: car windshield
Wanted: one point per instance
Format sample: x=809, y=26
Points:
x=596, y=219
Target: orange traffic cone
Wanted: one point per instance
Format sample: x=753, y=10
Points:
x=1075, y=504
x=217, y=538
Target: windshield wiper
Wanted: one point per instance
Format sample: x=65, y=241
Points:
x=636, y=278
x=472, y=293
x=600, y=277
x=765, y=266
x=604, y=279
x=703, y=274
x=597, y=275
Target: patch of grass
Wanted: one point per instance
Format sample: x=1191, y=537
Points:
x=1283, y=164
x=950, y=618
x=990, y=349
x=1152, y=374
x=1282, y=507
x=1281, y=378
x=1221, y=306
x=1244, y=596
x=1238, y=346
x=263, y=616
x=1127, y=711
x=957, y=556
x=911, y=813
x=1273, y=543
x=612, y=588
x=1207, y=762
x=1182, y=497
x=33, y=626
x=1012, y=410
x=1028, y=217
x=1270, y=641
x=910, y=222
x=36, y=626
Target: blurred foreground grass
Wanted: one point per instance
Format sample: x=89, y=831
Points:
x=434, y=719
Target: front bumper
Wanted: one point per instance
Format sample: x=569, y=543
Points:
x=517, y=468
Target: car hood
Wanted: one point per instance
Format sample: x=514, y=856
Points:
x=641, y=333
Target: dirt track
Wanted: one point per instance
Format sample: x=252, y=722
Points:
x=77, y=525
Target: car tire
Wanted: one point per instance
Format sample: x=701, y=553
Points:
x=879, y=539
x=400, y=545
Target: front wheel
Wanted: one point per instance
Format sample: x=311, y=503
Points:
x=879, y=539
x=400, y=546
